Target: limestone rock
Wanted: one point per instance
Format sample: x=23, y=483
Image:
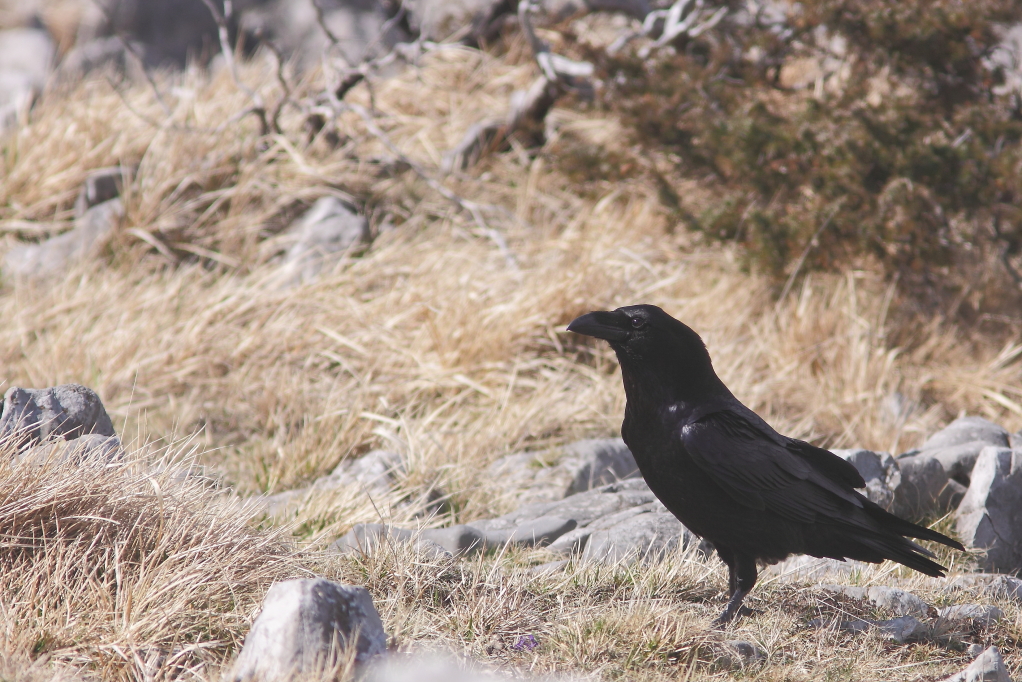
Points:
x=322, y=234
x=965, y=430
x=803, y=568
x=376, y=471
x=988, y=667
x=67, y=411
x=958, y=460
x=367, y=538
x=990, y=516
x=980, y=612
x=551, y=475
x=901, y=630
x=53, y=256
x=897, y=601
x=444, y=20
x=921, y=492
x=92, y=448
x=100, y=186
x=640, y=534
x=880, y=471
x=26, y=57
x=306, y=625
x=582, y=508
x=600, y=461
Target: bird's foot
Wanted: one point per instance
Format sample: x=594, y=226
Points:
x=733, y=609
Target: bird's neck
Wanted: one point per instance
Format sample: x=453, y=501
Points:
x=650, y=388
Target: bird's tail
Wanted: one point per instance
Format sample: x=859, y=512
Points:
x=889, y=521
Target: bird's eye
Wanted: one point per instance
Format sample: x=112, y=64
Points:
x=638, y=323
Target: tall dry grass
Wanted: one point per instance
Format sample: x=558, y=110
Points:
x=434, y=342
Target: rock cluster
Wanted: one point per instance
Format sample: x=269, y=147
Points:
x=570, y=505
x=67, y=421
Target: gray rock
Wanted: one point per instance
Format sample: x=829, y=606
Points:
x=91, y=448
x=897, y=601
x=100, y=186
x=551, y=475
x=880, y=471
x=537, y=532
x=901, y=630
x=458, y=539
x=559, y=10
x=376, y=471
x=53, y=256
x=992, y=584
x=965, y=430
x=97, y=54
x=583, y=508
x=747, y=652
x=980, y=612
x=648, y=535
x=601, y=461
x=988, y=667
x=366, y=538
x=802, y=568
x=990, y=516
x=418, y=668
x=26, y=58
x=958, y=460
x=921, y=492
x=549, y=567
x=322, y=234
x=306, y=625
x=445, y=20
x=67, y=411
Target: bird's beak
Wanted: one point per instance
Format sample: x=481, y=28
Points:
x=600, y=324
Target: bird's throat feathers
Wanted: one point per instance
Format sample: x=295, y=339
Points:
x=678, y=371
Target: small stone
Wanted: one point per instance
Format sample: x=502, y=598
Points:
x=900, y=630
x=603, y=461
x=974, y=650
x=880, y=471
x=305, y=626
x=549, y=567
x=897, y=601
x=923, y=481
x=376, y=471
x=67, y=411
x=53, y=256
x=978, y=612
x=458, y=539
x=803, y=568
x=325, y=231
x=532, y=533
x=990, y=515
x=988, y=667
x=100, y=186
x=648, y=535
x=958, y=460
x=965, y=430
x=747, y=652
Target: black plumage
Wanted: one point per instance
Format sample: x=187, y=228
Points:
x=756, y=495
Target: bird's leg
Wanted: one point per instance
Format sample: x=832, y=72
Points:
x=728, y=557
x=744, y=577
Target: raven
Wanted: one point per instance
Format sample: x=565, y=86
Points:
x=754, y=494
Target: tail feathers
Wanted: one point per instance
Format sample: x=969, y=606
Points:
x=890, y=522
x=905, y=552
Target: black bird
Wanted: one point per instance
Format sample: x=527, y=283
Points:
x=727, y=475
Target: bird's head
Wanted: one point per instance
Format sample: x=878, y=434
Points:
x=651, y=346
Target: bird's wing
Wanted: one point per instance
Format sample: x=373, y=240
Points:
x=757, y=470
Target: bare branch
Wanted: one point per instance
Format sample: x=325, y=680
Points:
x=471, y=207
x=223, y=33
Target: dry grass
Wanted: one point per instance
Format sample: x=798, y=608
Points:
x=430, y=343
